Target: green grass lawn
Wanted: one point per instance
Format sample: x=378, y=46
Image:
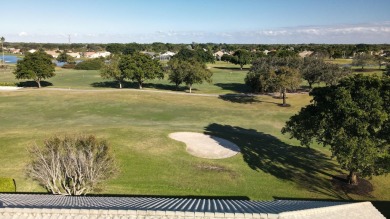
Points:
x=339, y=61
x=138, y=123
x=227, y=78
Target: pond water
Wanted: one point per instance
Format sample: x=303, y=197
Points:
x=60, y=64
x=10, y=59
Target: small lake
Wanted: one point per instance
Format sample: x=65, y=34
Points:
x=10, y=59
x=60, y=64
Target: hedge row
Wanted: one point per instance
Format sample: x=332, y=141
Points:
x=7, y=185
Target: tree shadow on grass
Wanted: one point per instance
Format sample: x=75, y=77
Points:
x=245, y=99
x=170, y=87
x=232, y=68
x=34, y=84
x=308, y=168
x=114, y=84
x=239, y=98
x=236, y=87
x=134, y=85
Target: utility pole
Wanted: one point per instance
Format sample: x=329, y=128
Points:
x=2, y=39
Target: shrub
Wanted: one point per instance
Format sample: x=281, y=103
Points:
x=69, y=66
x=7, y=185
x=90, y=64
x=71, y=165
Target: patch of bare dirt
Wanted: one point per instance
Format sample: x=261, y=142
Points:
x=363, y=188
x=216, y=168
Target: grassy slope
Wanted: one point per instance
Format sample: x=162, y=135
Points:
x=137, y=125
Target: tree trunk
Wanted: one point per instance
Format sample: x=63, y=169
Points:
x=120, y=85
x=38, y=83
x=310, y=85
x=190, y=86
x=241, y=67
x=140, y=85
x=284, y=96
x=352, y=178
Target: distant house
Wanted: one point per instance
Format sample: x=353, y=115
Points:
x=14, y=51
x=94, y=55
x=218, y=55
x=305, y=53
x=74, y=54
x=166, y=56
x=88, y=54
x=53, y=53
x=32, y=50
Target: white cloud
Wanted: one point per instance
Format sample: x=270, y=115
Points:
x=358, y=33
x=21, y=34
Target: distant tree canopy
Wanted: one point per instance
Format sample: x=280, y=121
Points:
x=63, y=57
x=226, y=58
x=35, y=66
x=241, y=57
x=325, y=50
x=90, y=64
x=387, y=72
x=285, y=53
x=115, y=48
x=271, y=74
x=188, y=71
x=111, y=70
x=353, y=118
x=315, y=70
x=139, y=67
x=198, y=54
x=362, y=59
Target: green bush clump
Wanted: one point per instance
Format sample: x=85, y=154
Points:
x=69, y=66
x=8, y=84
x=90, y=64
x=7, y=185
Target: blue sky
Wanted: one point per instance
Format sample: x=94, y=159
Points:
x=186, y=21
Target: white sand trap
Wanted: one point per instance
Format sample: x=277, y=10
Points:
x=206, y=146
x=9, y=88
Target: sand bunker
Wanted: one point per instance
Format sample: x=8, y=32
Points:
x=9, y=88
x=206, y=146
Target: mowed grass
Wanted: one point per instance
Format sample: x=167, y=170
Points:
x=227, y=78
x=138, y=123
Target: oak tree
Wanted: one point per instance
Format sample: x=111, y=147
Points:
x=35, y=66
x=353, y=119
x=241, y=57
x=140, y=67
x=110, y=70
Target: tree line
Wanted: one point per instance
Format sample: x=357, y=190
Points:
x=324, y=50
x=187, y=67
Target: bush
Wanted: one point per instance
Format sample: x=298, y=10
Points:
x=90, y=64
x=69, y=66
x=8, y=84
x=7, y=185
x=71, y=165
